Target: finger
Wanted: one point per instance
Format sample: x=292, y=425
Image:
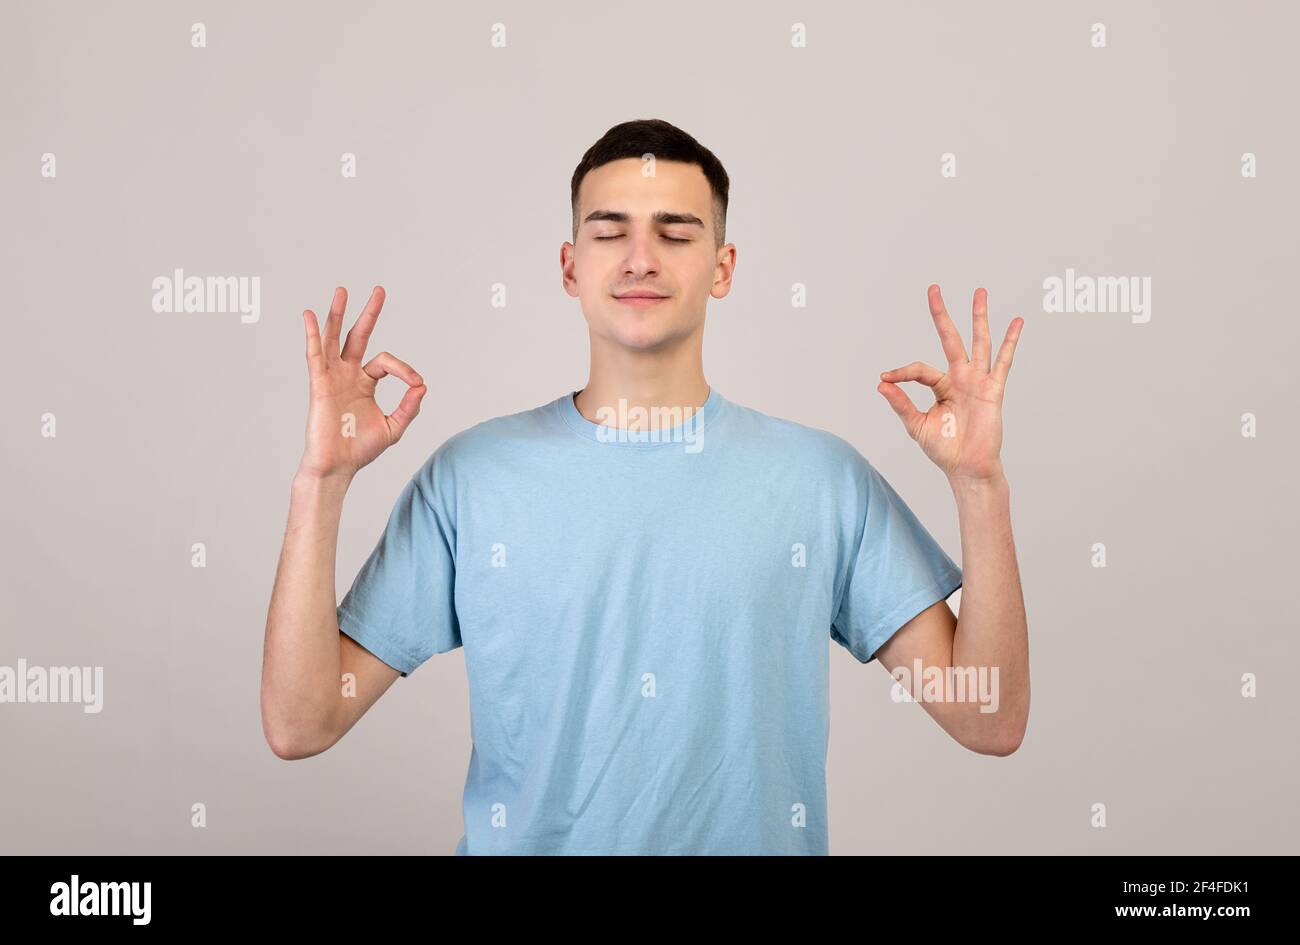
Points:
x=354, y=348
x=406, y=411
x=903, y=406
x=916, y=371
x=980, y=345
x=315, y=355
x=334, y=323
x=383, y=364
x=1007, y=350
x=949, y=337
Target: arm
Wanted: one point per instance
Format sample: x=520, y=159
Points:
x=962, y=433
x=305, y=656
x=992, y=631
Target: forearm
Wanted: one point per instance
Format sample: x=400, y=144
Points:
x=992, y=631
x=301, y=659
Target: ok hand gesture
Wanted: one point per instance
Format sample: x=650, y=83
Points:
x=346, y=429
x=962, y=431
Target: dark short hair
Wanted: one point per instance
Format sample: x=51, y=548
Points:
x=633, y=139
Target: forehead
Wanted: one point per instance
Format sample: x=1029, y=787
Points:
x=620, y=185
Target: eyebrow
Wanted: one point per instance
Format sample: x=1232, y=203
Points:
x=662, y=217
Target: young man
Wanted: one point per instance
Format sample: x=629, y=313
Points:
x=643, y=573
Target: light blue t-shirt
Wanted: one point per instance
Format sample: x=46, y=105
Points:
x=646, y=621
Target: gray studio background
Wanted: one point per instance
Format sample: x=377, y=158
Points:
x=181, y=428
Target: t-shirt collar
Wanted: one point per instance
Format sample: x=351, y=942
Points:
x=689, y=422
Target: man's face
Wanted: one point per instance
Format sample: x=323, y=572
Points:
x=645, y=235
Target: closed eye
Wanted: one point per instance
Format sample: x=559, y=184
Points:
x=670, y=239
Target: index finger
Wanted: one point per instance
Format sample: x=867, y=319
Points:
x=949, y=337
x=354, y=349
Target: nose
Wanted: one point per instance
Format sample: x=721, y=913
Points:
x=641, y=260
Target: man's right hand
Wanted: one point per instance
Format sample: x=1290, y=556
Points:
x=346, y=429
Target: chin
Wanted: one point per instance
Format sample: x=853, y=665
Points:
x=644, y=339
x=642, y=331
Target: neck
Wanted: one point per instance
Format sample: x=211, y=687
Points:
x=669, y=377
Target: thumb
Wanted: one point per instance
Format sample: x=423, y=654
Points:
x=407, y=410
x=902, y=405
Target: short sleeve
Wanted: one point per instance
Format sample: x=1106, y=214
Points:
x=401, y=606
x=896, y=570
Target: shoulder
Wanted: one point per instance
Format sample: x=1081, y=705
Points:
x=483, y=446
x=810, y=445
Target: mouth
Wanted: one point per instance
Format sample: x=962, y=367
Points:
x=640, y=300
